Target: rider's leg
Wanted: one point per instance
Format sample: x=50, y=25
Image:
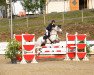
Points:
x=44, y=38
x=49, y=37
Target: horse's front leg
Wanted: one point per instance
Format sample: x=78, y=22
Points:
x=38, y=50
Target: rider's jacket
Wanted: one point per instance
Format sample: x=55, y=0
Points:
x=49, y=27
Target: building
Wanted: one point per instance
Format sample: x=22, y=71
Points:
x=17, y=7
x=58, y=6
x=68, y=5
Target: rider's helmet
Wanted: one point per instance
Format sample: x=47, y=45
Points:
x=53, y=21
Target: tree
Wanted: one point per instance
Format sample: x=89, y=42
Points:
x=33, y=5
x=36, y=5
x=3, y=2
x=26, y=5
x=30, y=5
x=42, y=5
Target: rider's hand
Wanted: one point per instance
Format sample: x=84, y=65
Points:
x=47, y=32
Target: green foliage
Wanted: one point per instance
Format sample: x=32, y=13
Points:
x=42, y=5
x=12, y=49
x=2, y=2
x=81, y=42
x=87, y=48
x=29, y=5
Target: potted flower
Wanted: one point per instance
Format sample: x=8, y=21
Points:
x=12, y=50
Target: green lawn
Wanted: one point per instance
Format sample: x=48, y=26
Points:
x=71, y=22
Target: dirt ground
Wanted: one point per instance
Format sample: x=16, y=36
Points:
x=48, y=67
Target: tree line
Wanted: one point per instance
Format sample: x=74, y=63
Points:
x=29, y=5
x=33, y=5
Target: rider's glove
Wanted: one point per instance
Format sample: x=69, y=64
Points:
x=47, y=32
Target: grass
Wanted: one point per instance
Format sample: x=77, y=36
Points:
x=71, y=23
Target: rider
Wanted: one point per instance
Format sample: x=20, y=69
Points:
x=48, y=30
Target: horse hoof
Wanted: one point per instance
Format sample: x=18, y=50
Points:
x=43, y=44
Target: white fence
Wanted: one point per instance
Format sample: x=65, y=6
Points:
x=3, y=46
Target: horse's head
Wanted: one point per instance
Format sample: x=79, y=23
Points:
x=57, y=28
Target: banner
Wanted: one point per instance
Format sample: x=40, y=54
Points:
x=74, y=5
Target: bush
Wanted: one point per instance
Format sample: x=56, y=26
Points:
x=12, y=50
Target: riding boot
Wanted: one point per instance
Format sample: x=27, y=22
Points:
x=45, y=41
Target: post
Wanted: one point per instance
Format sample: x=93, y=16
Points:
x=8, y=14
x=44, y=17
x=82, y=16
x=63, y=17
x=11, y=24
x=27, y=20
x=76, y=42
x=8, y=8
x=64, y=12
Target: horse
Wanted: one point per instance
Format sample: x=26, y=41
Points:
x=53, y=36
